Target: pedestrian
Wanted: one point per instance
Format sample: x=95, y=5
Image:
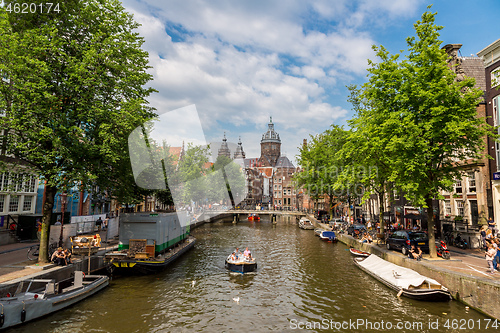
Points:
x=490, y=256
x=492, y=225
x=482, y=232
x=369, y=225
x=98, y=223
x=496, y=242
x=38, y=229
x=105, y=223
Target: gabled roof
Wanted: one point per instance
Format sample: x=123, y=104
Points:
x=473, y=67
x=284, y=162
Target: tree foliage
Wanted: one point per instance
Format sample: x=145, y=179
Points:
x=74, y=88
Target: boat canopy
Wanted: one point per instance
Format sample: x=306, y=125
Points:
x=397, y=275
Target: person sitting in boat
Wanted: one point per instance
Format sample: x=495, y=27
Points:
x=237, y=253
x=58, y=257
x=246, y=253
x=233, y=257
x=415, y=253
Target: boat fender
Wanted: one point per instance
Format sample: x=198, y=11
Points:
x=400, y=292
x=23, y=313
x=2, y=317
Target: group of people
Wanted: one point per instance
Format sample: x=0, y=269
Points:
x=490, y=240
x=415, y=253
x=367, y=238
x=237, y=255
x=61, y=257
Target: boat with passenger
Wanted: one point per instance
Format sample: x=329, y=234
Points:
x=253, y=217
x=35, y=298
x=306, y=224
x=237, y=262
x=405, y=281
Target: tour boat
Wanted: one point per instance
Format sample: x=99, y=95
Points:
x=358, y=252
x=241, y=265
x=405, y=281
x=328, y=236
x=305, y=224
x=35, y=298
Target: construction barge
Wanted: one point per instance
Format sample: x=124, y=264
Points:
x=149, y=242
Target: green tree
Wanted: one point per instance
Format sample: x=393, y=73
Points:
x=192, y=172
x=74, y=89
x=431, y=122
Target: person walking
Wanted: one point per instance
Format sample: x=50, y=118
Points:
x=492, y=225
x=490, y=256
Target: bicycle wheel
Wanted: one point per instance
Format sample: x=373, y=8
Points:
x=33, y=252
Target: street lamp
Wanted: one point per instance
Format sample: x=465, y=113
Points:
x=64, y=197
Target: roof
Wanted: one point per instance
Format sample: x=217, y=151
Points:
x=473, y=67
x=284, y=162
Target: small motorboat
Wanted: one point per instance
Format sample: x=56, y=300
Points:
x=358, y=252
x=328, y=236
x=35, y=298
x=253, y=217
x=241, y=264
x=305, y=224
x=405, y=281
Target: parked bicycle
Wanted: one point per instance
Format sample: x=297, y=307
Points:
x=34, y=251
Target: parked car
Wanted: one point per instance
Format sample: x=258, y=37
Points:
x=356, y=229
x=404, y=239
x=336, y=223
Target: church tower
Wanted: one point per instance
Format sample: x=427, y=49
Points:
x=270, y=146
x=224, y=149
x=239, y=153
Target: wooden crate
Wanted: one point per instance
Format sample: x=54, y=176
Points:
x=135, y=246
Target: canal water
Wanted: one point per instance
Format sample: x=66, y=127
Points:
x=301, y=283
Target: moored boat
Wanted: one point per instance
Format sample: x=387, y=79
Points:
x=328, y=236
x=35, y=298
x=358, y=252
x=150, y=242
x=404, y=280
x=305, y=224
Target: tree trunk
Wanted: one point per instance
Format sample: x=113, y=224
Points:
x=50, y=193
x=430, y=227
x=381, y=212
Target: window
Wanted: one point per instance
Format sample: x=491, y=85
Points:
x=2, y=202
x=275, y=187
x=27, y=203
x=460, y=207
x=279, y=181
x=5, y=182
x=471, y=175
x=447, y=207
x=279, y=202
x=458, y=186
x=13, y=203
x=279, y=187
x=495, y=77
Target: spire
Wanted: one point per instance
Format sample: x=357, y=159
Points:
x=239, y=153
x=224, y=149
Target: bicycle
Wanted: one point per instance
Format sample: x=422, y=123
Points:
x=34, y=251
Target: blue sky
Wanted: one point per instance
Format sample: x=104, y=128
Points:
x=241, y=62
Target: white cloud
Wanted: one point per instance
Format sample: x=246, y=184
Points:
x=240, y=62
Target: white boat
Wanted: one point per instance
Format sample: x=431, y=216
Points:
x=404, y=280
x=36, y=298
x=305, y=223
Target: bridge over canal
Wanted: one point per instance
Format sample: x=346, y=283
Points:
x=242, y=215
